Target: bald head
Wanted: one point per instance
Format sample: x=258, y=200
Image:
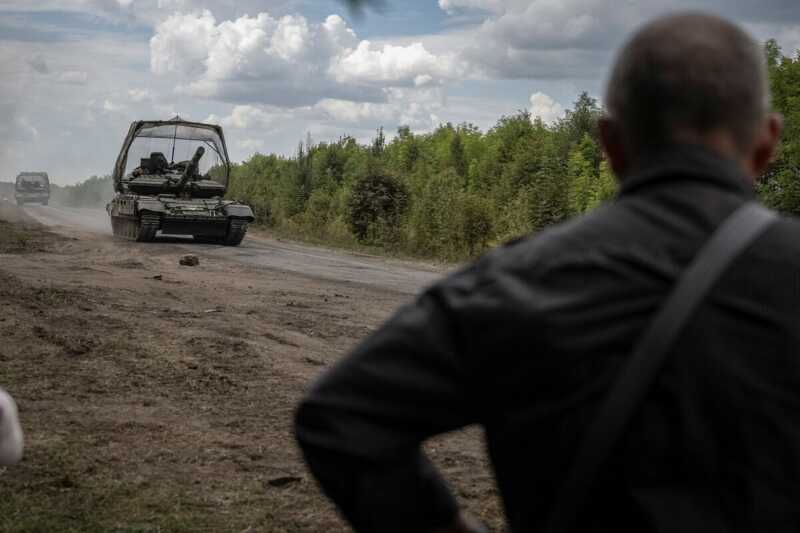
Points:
x=688, y=76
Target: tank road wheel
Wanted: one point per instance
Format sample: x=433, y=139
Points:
x=45, y=202
x=236, y=232
x=148, y=226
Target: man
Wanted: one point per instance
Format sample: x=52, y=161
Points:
x=528, y=340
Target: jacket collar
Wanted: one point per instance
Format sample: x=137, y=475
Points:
x=687, y=162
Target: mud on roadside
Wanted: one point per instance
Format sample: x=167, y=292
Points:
x=159, y=398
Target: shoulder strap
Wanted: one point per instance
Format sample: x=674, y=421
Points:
x=735, y=234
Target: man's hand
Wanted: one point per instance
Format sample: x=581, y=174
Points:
x=10, y=431
x=463, y=524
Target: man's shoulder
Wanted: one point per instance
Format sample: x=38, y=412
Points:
x=620, y=236
x=577, y=239
x=617, y=229
x=781, y=241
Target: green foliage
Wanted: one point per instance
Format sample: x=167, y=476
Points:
x=780, y=187
x=450, y=194
x=375, y=209
x=591, y=181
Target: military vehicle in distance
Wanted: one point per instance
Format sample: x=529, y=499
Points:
x=182, y=195
x=32, y=187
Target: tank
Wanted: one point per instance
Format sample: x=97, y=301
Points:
x=171, y=177
x=32, y=187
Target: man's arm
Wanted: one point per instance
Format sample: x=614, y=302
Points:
x=361, y=425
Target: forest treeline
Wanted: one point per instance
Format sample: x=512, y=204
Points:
x=447, y=194
x=93, y=192
x=456, y=191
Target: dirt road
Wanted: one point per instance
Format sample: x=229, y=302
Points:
x=158, y=397
x=259, y=250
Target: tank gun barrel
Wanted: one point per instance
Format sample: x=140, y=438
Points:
x=191, y=168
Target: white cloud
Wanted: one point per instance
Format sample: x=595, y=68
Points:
x=252, y=145
x=543, y=39
x=74, y=77
x=412, y=107
x=140, y=95
x=181, y=43
x=248, y=116
x=112, y=107
x=286, y=61
x=146, y=12
x=349, y=111
x=167, y=111
x=545, y=108
x=26, y=130
x=404, y=65
x=290, y=72
x=453, y=6
x=563, y=39
x=280, y=128
x=550, y=23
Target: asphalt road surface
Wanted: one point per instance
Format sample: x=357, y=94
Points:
x=323, y=263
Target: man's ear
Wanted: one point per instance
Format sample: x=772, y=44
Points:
x=765, y=144
x=614, y=147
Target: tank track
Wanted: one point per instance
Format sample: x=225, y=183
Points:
x=237, y=229
x=141, y=229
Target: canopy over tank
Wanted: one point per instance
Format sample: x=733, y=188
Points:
x=171, y=176
x=151, y=148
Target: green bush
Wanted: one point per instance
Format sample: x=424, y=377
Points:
x=376, y=206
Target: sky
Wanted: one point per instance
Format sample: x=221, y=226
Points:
x=75, y=73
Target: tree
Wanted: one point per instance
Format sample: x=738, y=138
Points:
x=780, y=186
x=605, y=186
x=458, y=159
x=379, y=143
x=581, y=181
x=376, y=205
x=580, y=121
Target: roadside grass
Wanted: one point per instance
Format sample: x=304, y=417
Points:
x=297, y=234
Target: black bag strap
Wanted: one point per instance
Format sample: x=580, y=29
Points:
x=731, y=238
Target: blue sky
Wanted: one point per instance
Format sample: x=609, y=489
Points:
x=75, y=73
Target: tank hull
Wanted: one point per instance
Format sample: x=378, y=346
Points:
x=140, y=218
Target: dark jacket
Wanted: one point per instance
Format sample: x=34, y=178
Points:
x=526, y=342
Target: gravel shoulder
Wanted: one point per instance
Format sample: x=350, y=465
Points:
x=157, y=397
